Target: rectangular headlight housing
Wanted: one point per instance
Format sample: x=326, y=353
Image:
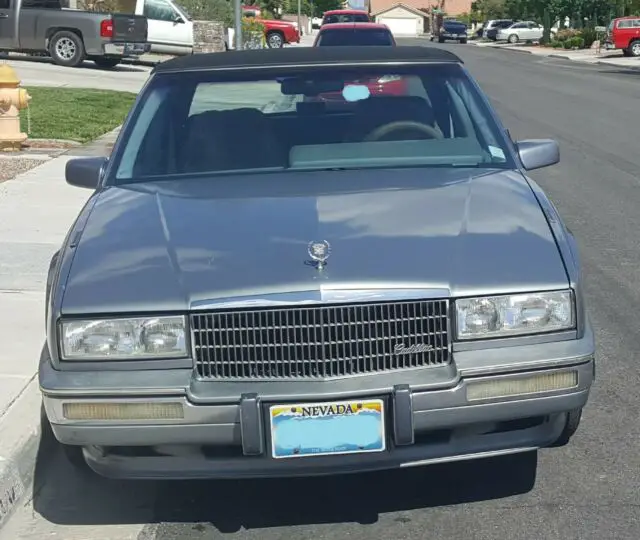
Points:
x=135, y=338
x=514, y=314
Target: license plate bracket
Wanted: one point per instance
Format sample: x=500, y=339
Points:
x=327, y=428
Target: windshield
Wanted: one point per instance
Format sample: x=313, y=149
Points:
x=363, y=36
x=346, y=18
x=312, y=118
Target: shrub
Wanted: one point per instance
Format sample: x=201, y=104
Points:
x=566, y=44
x=578, y=42
x=252, y=33
x=556, y=44
x=210, y=10
x=566, y=34
x=589, y=35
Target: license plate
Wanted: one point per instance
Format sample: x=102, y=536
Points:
x=322, y=429
x=133, y=48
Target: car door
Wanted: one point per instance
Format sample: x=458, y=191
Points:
x=168, y=28
x=518, y=29
x=535, y=31
x=7, y=22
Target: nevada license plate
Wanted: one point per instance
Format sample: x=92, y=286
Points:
x=321, y=429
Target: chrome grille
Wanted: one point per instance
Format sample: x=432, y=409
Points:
x=320, y=342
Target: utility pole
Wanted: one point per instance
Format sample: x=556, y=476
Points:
x=299, y=9
x=237, y=11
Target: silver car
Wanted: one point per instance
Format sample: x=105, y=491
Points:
x=313, y=261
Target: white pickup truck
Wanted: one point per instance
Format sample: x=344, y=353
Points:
x=170, y=28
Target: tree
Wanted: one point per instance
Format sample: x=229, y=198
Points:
x=320, y=6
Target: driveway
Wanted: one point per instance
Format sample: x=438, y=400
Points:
x=586, y=491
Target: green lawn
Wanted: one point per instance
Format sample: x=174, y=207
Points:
x=75, y=114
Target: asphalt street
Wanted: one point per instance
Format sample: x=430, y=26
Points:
x=588, y=490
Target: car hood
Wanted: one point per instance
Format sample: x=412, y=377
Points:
x=167, y=245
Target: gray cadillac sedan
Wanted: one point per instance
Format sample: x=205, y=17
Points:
x=312, y=261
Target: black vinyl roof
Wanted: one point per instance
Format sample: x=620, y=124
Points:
x=293, y=56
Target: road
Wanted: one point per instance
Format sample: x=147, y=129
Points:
x=586, y=491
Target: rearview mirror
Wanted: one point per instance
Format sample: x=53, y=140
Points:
x=85, y=172
x=538, y=153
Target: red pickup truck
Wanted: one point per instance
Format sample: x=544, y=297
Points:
x=276, y=32
x=624, y=33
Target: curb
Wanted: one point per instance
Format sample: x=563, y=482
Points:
x=631, y=68
x=20, y=430
x=511, y=49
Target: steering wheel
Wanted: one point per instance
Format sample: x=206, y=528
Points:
x=385, y=129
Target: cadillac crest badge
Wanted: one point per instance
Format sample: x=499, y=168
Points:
x=319, y=253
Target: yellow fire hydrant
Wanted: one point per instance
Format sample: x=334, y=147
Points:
x=12, y=101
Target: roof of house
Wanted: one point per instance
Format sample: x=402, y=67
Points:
x=400, y=5
x=300, y=56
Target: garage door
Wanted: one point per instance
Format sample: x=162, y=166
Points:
x=400, y=27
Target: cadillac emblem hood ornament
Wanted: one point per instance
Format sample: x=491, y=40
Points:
x=319, y=253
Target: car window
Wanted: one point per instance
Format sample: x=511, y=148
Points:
x=519, y=25
x=624, y=24
x=5, y=4
x=41, y=4
x=345, y=18
x=159, y=10
x=320, y=118
x=340, y=38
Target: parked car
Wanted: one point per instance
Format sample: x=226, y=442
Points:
x=345, y=16
x=451, y=30
x=277, y=32
x=71, y=36
x=624, y=33
x=350, y=34
x=347, y=34
x=491, y=30
x=521, y=31
x=394, y=291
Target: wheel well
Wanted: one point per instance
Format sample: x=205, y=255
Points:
x=276, y=32
x=54, y=30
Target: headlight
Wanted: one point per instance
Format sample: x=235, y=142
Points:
x=124, y=339
x=516, y=314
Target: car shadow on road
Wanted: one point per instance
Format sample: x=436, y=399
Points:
x=622, y=71
x=65, y=496
x=123, y=68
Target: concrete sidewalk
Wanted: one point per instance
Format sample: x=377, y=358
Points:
x=586, y=56
x=37, y=209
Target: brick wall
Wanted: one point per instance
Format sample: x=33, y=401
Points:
x=451, y=7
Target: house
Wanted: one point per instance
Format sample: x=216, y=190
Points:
x=402, y=20
x=450, y=7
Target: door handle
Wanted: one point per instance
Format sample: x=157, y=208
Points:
x=4, y=16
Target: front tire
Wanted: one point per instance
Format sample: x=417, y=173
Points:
x=463, y=41
x=275, y=40
x=634, y=48
x=570, y=427
x=105, y=62
x=440, y=40
x=67, y=49
x=513, y=38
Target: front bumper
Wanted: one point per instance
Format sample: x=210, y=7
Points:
x=228, y=438
x=125, y=49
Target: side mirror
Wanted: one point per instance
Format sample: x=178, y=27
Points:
x=538, y=153
x=178, y=20
x=85, y=172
